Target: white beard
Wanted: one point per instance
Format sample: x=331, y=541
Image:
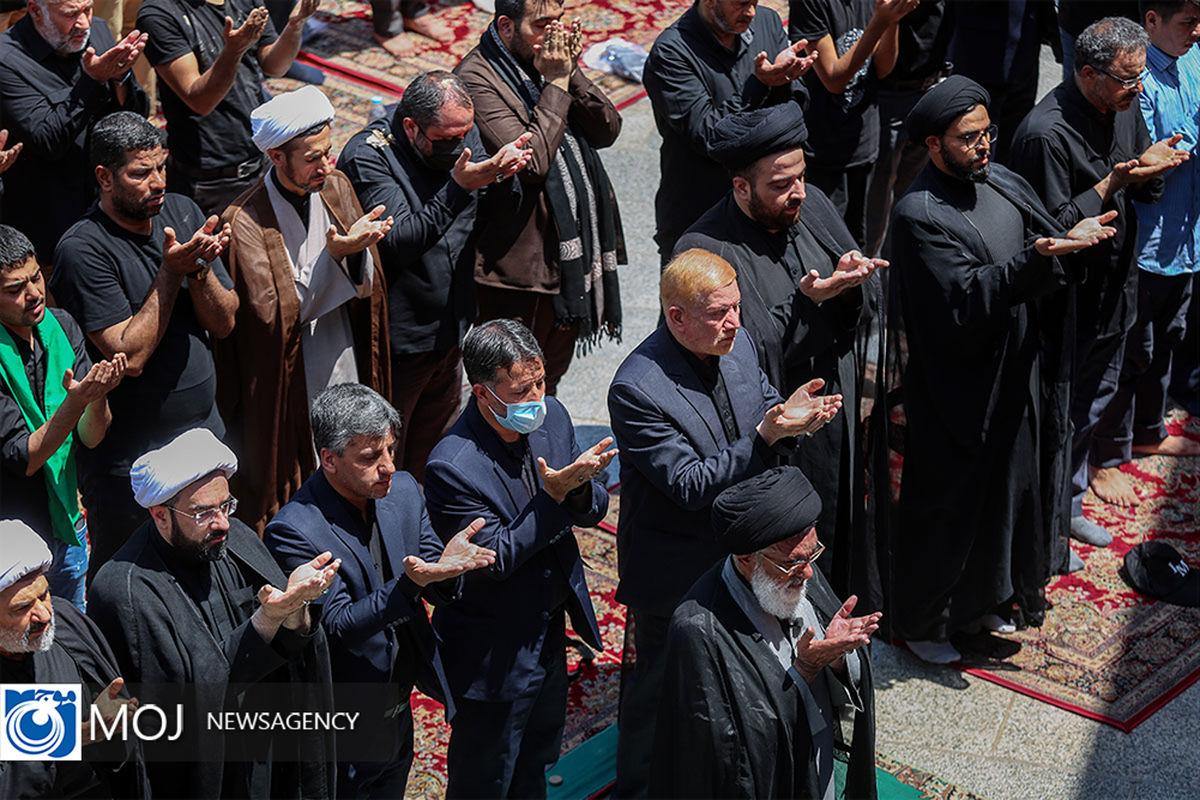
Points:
x=779, y=600
x=11, y=642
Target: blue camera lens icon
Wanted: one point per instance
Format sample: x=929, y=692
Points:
x=41, y=722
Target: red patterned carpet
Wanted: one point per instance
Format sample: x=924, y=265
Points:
x=1104, y=651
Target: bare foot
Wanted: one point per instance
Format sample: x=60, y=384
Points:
x=1113, y=486
x=431, y=26
x=401, y=45
x=1170, y=446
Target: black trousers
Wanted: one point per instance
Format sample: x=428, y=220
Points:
x=1097, y=372
x=847, y=188
x=1185, y=366
x=640, y=695
x=112, y=515
x=381, y=779
x=503, y=749
x=387, y=16
x=898, y=164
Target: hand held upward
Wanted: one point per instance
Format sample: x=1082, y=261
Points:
x=246, y=35
x=101, y=379
x=892, y=11
x=788, y=65
x=843, y=634
x=508, y=161
x=557, y=56
x=307, y=582
x=366, y=231
x=853, y=269
x=116, y=61
x=460, y=556
x=804, y=412
x=109, y=703
x=1087, y=232
x=303, y=10
x=7, y=157
x=205, y=246
x=590, y=463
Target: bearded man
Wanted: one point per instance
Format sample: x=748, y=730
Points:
x=58, y=75
x=314, y=313
x=764, y=663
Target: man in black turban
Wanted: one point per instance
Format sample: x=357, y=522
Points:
x=762, y=660
x=974, y=248
x=799, y=273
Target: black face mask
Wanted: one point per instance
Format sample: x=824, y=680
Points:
x=443, y=154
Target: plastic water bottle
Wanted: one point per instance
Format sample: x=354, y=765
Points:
x=376, y=110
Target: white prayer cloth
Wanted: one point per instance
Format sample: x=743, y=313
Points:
x=286, y=116
x=324, y=286
x=24, y=552
x=161, y=474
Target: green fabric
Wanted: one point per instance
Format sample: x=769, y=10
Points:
x=59, y=469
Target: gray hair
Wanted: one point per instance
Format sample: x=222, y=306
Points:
x=15, y=248
x=429, y=93
x=1102, y=41
x=496, y=345
x=347, y=410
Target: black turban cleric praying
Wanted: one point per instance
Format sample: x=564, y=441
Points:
x=745, y=137
x=942, y=104
x=765, y=509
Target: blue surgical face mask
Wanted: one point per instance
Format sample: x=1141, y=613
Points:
x=524, y=417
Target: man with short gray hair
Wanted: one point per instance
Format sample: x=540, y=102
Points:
x=428, y=166
x=391, y=559
x=1085, y=149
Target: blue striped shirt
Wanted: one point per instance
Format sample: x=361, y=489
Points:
x=1167, y=231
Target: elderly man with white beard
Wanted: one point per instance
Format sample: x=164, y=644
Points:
x=764, y=663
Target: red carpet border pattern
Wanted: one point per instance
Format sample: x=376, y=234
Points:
x=1105, y=651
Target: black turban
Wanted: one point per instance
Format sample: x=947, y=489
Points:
x=934, y=112
x=743, y=138
x=765, y=509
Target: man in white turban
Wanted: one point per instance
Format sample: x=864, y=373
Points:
x=49, y=641
x=194, y=606
x=313, y=306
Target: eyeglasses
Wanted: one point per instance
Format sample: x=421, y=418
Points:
x=1126, y=83
x=974, y=138
x=790, y=568
x=206, y=516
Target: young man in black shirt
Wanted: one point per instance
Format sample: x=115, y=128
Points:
x=120, y=271
x=212, y=58
x=51, y=398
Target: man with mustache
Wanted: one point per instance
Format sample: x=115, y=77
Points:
x=47, y=641
x=199, y=613
x=58, y=75
x=764, y=663
x=973, y=249
x=799, y=273
x=51, y=398
x=141, y=272
x=1085, y=148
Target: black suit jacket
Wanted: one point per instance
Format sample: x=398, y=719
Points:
x=675, y=460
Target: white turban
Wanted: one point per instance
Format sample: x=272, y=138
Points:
x=163, y=473
x=24, y=552
x=286, y=116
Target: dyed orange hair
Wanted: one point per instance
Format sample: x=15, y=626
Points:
x=693, y=275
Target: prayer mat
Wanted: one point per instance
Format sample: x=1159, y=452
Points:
x=346, y=46
x=351, y=101
x=1105, y=651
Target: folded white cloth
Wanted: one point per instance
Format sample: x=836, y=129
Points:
x=24, y=552
x=286, y=116
x=161, y=474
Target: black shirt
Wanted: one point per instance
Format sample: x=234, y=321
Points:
x=924, y=36
x=48, y=103
x=709, y=373
x=102, y=276
x=843, y=129
x=25, y=497
x=1075, y=15
x=694, y=82
x=178, y=27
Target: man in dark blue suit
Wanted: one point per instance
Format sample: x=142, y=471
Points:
x=511, y=458
x=373, y=520
x=694, y=414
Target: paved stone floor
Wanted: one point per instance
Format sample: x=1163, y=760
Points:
x=985, y=738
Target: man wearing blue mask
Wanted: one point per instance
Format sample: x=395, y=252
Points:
x=511, y=458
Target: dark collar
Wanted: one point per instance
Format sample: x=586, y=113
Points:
x=297, y=201
x=331, y=501
x=486, y=436
x=692, y=24
x=32, y=42
x=708, y=369
x=1073, y=99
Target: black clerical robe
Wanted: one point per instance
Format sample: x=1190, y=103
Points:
x=108, y=769
x=798, y=340
x=971, y=532
x=732, y=722
x=182, y=633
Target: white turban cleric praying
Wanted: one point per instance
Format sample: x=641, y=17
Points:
x=286, y=116
x=24, y=552
x=161, y=474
